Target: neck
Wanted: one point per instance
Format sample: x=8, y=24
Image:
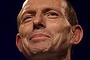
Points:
x=51, y=56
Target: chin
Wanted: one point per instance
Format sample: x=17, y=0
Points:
x=41, y=46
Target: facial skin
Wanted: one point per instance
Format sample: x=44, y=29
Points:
x=44, y=30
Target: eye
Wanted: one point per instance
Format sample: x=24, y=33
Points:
x=28, y=17
x=52, y=14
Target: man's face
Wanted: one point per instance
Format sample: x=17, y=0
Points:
x=43, y=27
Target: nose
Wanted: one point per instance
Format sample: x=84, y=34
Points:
x=39, y=21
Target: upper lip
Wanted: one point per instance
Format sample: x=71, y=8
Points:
x=39, y=35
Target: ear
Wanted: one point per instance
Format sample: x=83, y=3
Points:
x=19, y=42
x=77, y=34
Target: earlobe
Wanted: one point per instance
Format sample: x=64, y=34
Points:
x=77, y=34
x=18, y=42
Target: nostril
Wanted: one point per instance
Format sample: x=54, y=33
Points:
x=38, y=26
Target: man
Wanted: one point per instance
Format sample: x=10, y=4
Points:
x=47, y=30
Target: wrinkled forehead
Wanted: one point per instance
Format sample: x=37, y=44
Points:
x=42, y=3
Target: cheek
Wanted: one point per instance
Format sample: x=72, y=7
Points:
x=25, y=29
x=60, y=32
x=25, y=46
x=54, y=28
x=61, y=42
x=57, y=26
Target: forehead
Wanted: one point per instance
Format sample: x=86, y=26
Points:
x=37, y=4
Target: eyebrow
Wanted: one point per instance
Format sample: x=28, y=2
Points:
x=53, y=9
x=44, y=10
x=28, y=11
x=48, y=9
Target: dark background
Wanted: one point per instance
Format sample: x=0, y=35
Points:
x=8, y=30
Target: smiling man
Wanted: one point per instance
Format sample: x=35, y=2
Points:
x=47, y=30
